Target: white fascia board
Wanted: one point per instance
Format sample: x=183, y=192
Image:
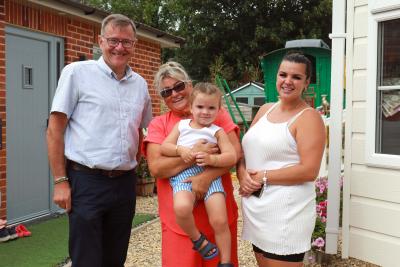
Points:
x=257, y=86
x=244, y=86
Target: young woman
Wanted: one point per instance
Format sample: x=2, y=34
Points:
x=282, y=155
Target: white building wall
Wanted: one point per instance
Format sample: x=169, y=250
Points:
x=371, y=218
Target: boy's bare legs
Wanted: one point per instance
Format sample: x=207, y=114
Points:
x=216, y=210
x=183, y=208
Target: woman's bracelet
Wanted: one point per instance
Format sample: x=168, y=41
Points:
x=61, y=180
x=265, y=178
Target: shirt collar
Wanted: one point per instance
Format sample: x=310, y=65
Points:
x=103, y=66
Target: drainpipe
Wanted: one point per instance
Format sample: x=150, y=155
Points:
x=338, y=37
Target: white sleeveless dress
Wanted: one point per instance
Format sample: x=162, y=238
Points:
x=282, y=220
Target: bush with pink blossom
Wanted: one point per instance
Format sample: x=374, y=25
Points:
x=318, y=236
x=321, y=189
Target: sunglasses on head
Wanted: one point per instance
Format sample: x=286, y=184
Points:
x=166, y=92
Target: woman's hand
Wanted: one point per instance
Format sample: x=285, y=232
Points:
x=200, y=185
x=186, y=154
x=248, y=182
x=203, y=146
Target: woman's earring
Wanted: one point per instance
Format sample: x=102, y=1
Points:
x=303, y=92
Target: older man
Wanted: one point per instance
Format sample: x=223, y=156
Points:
x=93, y=136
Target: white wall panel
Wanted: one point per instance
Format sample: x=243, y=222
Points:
x=358, y=3
x=375, y=215
x=376, y=183
x=360, y=53
x=358, y=117
x=358, y=149
x=374, y=247
x=359, y=85
x=361, y=21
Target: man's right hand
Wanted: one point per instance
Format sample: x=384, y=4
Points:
x=62, y=195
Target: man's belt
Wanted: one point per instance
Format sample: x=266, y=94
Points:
x=109, y=173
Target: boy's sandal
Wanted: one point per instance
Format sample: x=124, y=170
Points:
x=225, y=265
x=209, y=251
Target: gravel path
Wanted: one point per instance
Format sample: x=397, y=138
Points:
x=145, y=243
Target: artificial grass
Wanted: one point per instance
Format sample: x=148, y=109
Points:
x=48, y=245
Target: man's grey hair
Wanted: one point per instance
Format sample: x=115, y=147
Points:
x=118, y=20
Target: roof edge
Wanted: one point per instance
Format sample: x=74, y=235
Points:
x=245, y=85
x=78, y=9
x=291, y=48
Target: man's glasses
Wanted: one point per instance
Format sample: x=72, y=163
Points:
x=166, y=92
x=114, y=42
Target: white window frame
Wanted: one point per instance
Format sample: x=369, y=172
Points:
x=379, y=11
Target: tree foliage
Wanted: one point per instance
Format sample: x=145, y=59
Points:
x=231, y=33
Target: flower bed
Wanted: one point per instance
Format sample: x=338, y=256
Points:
x=318, y=236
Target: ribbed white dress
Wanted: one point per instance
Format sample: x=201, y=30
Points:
x=282, y=220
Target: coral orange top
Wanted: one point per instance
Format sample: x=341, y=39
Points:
x=158, y=130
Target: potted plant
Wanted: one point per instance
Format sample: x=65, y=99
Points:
x=145, y=182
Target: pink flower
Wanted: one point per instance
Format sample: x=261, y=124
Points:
x=322, y=188
x=321, y=184
x=319, y=242
x=323, y=219
x=321, y=208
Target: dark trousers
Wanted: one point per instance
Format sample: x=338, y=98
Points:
x=101, y=217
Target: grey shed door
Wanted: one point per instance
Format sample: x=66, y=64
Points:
x=29, y=78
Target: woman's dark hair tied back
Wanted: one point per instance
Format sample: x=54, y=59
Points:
x=299, y=57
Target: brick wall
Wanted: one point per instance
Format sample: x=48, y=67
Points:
x=79, y=37
x=146, y=61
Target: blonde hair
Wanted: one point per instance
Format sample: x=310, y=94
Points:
x=171, y=69
x=207, y=89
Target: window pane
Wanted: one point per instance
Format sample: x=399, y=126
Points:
x=388, y=122
x=259, y=101
x=388, y=101
x=390, y=51
x=242, y=100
